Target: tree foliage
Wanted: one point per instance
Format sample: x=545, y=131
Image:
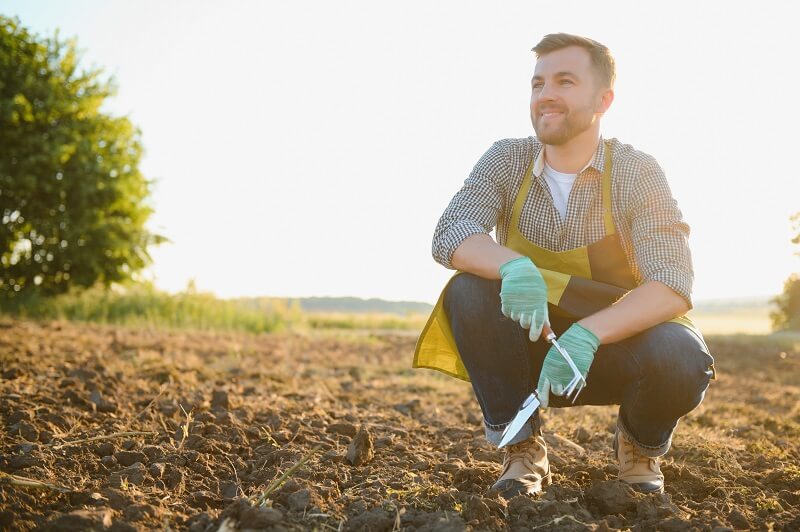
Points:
x=72, y=198
x=787, y=316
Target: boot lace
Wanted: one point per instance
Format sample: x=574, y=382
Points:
x=633, y=456
x=516, y=450
x=520, y=451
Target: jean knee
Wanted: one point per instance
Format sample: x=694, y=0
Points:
x=469, y=297
x=674, y=355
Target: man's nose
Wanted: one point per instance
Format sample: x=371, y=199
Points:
x=546, y=92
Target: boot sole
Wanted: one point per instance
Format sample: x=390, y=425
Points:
x=510, y=488
x=638, y=487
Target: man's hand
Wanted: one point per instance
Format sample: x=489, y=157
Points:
x=523, y=295
x=581, y=344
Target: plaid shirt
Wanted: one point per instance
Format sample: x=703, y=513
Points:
x=651, y=227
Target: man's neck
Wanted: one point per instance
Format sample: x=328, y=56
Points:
x=572, y=157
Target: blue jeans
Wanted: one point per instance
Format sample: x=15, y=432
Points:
x=656, y=376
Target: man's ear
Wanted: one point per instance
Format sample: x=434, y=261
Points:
x=605, y=100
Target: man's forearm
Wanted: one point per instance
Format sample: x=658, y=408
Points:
x=641, y=308
x=479, y=254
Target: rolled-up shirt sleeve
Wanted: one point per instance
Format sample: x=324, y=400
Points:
x=476, y=207
x=659, y=234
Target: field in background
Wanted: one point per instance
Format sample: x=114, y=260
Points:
x=143, y=305
x=324, y=421
x=332, y=430
x=736, y=316
x=725, y=323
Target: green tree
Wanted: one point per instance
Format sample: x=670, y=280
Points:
x=72, y=198
x=787, y=316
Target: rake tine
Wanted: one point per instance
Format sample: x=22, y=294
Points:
x=577, y=393
x=570, y=387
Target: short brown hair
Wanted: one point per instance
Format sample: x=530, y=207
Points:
x=600, y=55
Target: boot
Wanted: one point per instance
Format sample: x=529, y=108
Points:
x=525, y=469
x=641, y=472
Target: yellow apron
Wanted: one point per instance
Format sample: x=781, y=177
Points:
x=580, y=282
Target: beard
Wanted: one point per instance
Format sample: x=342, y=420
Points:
x=573, y=123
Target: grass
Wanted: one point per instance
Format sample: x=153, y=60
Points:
x=262, y=497
x=366, y=321
x=144, y=305
x=747, y=321
x=141, y=304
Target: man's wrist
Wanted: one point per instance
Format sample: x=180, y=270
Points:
x=513, y=264
x=480, y=255
x=588, y=334
x=594, y=326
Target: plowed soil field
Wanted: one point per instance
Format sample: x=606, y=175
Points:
x=106, y=428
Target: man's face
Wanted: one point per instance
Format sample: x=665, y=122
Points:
x=565, y=100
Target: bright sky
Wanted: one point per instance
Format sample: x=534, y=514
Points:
x=308, y=148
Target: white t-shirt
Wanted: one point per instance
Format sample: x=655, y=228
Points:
x=560, y=187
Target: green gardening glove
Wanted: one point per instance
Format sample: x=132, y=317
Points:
x=523, y=295
x=581, y=344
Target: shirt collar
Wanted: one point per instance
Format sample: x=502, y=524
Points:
x=597, y=161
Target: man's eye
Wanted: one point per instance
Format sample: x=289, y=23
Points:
x=537, y=85
x=566, y=81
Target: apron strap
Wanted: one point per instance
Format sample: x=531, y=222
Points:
x=522, y=195
x=527, y=181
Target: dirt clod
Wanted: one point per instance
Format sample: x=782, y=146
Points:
x=523, y=507
x=375, y=519
x=80, y=520
x=738, y=520
x=612, y=497
x=152, y=452
x=361, y=449
x=134, y=474
x=219, y=400
x=202, y=499
x=19, y=415
x=157, y=470
x=345, y=429
x=582, y=435
x=100, y=403
x=28, y=431
x=139, y=512
x=127, y=458
x=476, y=510
x=229, y=490
x=259, y=517
x=116, y=498
x=18, y=462
x=303, y=499
x=86, y=498
x=175, y=479
x=409, y=408
x=105, y=448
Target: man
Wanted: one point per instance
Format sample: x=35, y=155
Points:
x=591, y=245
